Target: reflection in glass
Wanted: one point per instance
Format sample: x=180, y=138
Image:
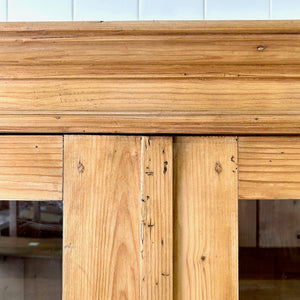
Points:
x=269, y=249
x=31, y=250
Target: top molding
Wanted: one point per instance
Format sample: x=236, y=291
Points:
x=187, y=77
x=155, y=27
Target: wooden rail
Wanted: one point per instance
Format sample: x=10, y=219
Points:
x=199, y=77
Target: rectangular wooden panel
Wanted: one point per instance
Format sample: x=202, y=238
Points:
x=269, y=167
x=206, y=218
x=31, y=167
x=157, y=219
x=102, y=217
x=150, y=105
x=152, y=96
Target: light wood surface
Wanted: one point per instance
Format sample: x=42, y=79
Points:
x=206, y=218
x=149, y=27
x=156, y=54
x=269, y=167
x=157, y=219
x=31, y=167
x=189, y=97
x=102, y=217
x=205, y=77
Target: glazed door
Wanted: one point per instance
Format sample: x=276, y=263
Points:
x=148, y=217
x=141, y=217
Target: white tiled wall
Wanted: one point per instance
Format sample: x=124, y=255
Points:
x=171, y=9
x=238, y=9
x=39, y=10
x=78, y=10
x=93, y=10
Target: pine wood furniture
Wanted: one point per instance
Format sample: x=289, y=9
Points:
x=115, y=118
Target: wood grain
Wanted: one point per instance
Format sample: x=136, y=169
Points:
x=140, y=55
x=206, y=218
x=231, y=77
x=157, y=219
x=149, y=27
x=31, y=167
x=159, y=123
x=151, y=105
x=150, y=97
x=269, y=167
x=102, y=217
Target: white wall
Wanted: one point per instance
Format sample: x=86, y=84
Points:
x=90, y=10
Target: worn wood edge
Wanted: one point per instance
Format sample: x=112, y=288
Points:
x=141, y=123
x=170, y=71
x=156, y=218
x=156, y=27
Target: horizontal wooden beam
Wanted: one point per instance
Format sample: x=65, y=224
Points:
x=151, y=105
x=269, y=167
x=205, y=77
x=150, y=27
x=31, y=167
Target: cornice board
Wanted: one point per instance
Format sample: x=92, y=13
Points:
x=185, y=77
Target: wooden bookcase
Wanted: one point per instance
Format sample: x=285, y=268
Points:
x=150, y=132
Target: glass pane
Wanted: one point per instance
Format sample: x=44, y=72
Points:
x=269, y=249
x=31, y=250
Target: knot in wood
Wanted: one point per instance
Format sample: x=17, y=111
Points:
x=218, y=167
x=80, y=167
x=261, y=48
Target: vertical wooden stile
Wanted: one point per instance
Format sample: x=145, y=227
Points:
x=101, y=217
x=206, y=218
x=157, y=219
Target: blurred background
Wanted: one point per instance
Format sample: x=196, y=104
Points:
x=121, y=10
